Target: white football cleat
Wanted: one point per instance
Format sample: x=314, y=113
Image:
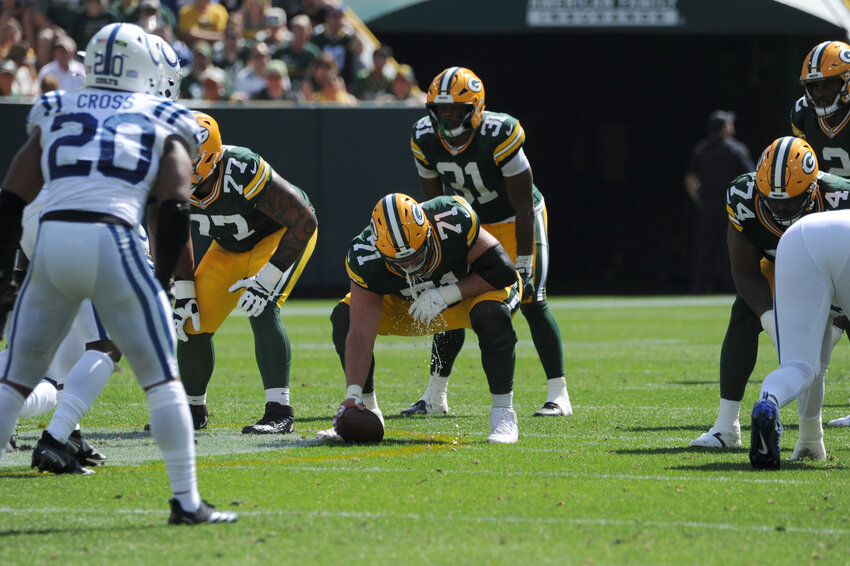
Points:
x=843, y=421
x=380, y=415
x=503, y=426
x=810, y=450
x=716, y=438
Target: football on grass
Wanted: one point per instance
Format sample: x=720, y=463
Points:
x=359, y=427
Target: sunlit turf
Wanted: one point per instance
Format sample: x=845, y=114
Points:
x=614, y=483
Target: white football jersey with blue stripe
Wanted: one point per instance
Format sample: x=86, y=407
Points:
x=101, y=148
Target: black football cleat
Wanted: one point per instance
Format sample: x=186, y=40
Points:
x=50, y=455
x=84, y=452
x=206, y=513
x=418, y=408
x=278, y=419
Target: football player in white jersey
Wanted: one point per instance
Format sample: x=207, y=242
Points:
x=812, y=273
x=102, y=151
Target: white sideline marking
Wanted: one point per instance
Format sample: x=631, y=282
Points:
x=70, y=512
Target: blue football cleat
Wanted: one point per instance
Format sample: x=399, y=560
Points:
x=766, y=430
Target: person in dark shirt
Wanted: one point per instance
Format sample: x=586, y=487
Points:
x=715, y=162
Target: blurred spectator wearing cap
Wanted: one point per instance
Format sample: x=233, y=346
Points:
x=10, y=33
x=251, y=80
x=329, y=85
x=277, y=86
x=202, y=20
x=337, y=39
x=370, y=84
x=69, y=72
x=52, y=18
x=8, y=83
x=26, y=76
x=190, y=86
x=214, y=84
x=89, y=21
x=278, y=33
x=404, y=88
x=300, y=52
x=715, y=162
x=232, y=53
x=152, y=13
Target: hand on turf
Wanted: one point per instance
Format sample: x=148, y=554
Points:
x=432, y=302
x=185, y=308
x=259, y=289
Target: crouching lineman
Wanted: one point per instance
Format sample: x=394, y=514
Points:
x=420, y=269
x=786, y=186
x=264, y=231
x=812, y=274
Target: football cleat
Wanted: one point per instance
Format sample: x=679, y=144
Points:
x=766, y=430
x=811, y=450
x=84, y=453
x=200, y=416
x=50, y=455
x=12, y=445
x=503, y=426
x=423, y=407
x=552, y=409
x=716, y=438
x=206, y=513
x=278, y=419
x=843, y=421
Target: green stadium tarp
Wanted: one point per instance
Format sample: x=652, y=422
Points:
x=794, y=17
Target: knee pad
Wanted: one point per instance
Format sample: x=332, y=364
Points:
x=491, y=321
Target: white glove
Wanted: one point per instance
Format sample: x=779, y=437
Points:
x=259, y=289
x=185, y=308
x=768, y=322
x=432, y=302
x=837, y=333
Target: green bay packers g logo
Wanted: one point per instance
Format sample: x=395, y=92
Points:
x=473, y=84
x=844, y=55
x=205, y=135
x=809, y=163
x=418, y=215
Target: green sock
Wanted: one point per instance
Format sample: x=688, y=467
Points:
x=546, y=336
x=271, y=347
x=739, y=351
x=196, y=359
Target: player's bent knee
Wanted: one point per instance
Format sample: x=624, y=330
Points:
x=491, y=321
x=108, y=347
x=340, y=321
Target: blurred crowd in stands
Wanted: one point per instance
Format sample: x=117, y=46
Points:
x=230, y=50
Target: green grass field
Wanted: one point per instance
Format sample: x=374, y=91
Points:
x=613, y=484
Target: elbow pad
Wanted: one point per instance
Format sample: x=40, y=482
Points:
x=172, y=233
x=495, y=267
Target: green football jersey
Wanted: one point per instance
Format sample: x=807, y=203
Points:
x=831, y=145
x=228, y=214
x=475, y=172
x=748, y=214
x=455, y=228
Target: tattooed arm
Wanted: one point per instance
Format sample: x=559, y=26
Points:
x=284, y=204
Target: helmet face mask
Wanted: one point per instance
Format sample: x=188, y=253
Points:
x=402, y=233
x=122, y=57
x=825, y=77
x=210, y=150
x=786, y=177
x=455, y=102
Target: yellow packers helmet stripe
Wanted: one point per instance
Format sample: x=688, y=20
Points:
x=510, y=145
x=417, y=152
x=259, y=180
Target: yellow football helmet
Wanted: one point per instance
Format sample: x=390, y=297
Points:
x=828, y=61
x=209, y=152
x=460, y=86
x=402, y=232
x=786, y=177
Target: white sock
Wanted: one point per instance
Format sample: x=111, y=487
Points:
x=558, y=392
x=83, y=385
x=197, y=399
x=438, y=387
x=278, y=395
x=727, y=415
x=10, y=405
x=505, y=401
x=370, y=400
x=40, y=401
x=811, y=429
x=171, y=427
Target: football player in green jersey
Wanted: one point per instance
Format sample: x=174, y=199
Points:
x=264, y=231
x=786, y=185
x=420, y=269
x=479, y=155
x=821, y=115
